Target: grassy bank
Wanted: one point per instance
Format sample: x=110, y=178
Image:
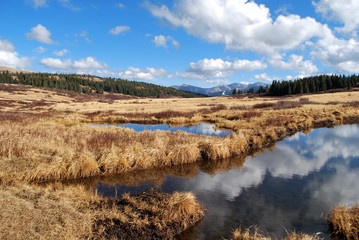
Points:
x=72, y=212
x=46, y=136
x=344, y=222
x=255, y=234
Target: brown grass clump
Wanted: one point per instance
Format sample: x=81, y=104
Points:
x=344, y=222
x=72, y=212
x=149, y=215
x=254, y=234
x=301, y=236
x=248, y=234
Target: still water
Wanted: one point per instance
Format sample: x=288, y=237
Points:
x=291, y=186
x=203, y=128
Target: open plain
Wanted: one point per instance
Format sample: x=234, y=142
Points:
x=47, y=137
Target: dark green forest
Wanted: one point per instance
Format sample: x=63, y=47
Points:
x=88, y=84
x=315, y=84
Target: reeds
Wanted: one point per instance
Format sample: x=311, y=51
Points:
x=71, y=212
x=344, y=222
x=254, y=233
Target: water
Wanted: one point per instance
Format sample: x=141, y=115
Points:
x=202, y=129
x=289, y=187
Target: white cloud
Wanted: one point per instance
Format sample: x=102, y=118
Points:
x=341, y=54
x=343, y=12
x=218, y=68
x=88, y=63
x=10, y=58
x=40, y=33
x=295, y=63
x=265, y=77
x=162, y=41
x=41, y=49
x=85, y=65
x=148, y=74
x=68, y=4
x=61, y=53
x=56, y=63
x=119, y=29
x=240, y=25
x=38, y=3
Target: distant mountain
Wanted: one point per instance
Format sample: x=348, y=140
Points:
x=220, y=90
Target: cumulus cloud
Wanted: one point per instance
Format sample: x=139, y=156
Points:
x=219, y=68
x=162, y=41
x=264, y=77
x=10, y=58
x=61, y=53
x=295, y=63
x=85, y=65
x=119, y=29
x=147, y=74
x=88, y=63
x=56, y=63
x=341, y=54
x=240, y=25
x=345, y=13
x=41, y=34
x=38, y=3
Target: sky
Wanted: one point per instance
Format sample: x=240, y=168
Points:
x=198, y=42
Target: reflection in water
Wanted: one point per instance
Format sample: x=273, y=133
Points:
x=290, y=187
x=202, y=128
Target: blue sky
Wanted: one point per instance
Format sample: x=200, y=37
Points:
x=198, y=42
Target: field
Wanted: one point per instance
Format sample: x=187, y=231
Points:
x=46, y=138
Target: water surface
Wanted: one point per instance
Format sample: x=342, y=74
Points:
x=202, y=129
x=289, y=187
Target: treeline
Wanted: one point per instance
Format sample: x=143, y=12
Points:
x=315, y=84
x=89, y=84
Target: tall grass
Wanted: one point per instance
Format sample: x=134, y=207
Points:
x=344, y=222
x=254, y=233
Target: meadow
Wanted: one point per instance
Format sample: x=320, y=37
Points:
x=47, y=137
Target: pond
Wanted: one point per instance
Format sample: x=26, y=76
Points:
x=291, y=186
x=202, y=128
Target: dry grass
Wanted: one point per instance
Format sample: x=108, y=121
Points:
x=344, y=222
x=38, y=145
x=255, y=234
x=248, y=234
x=45, y=136
x=72, y=212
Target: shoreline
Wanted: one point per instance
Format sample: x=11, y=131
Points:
x=41, y=145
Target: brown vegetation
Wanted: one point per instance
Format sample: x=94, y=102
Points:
x=344, y=222
x=71, y=212
x=46, y=136
x=255, y=234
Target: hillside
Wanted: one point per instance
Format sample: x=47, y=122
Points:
x=220, y=90
x=90, y=84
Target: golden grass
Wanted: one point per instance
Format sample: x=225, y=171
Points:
x=255, y=234
x=344, y=222
x=39, y=146
x=248, y=234
x=45, y=136
x=71, y=212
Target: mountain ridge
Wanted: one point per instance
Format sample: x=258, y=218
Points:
x=220, y=90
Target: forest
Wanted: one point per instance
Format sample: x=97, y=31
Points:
x=314, y=84
x=88, y=84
